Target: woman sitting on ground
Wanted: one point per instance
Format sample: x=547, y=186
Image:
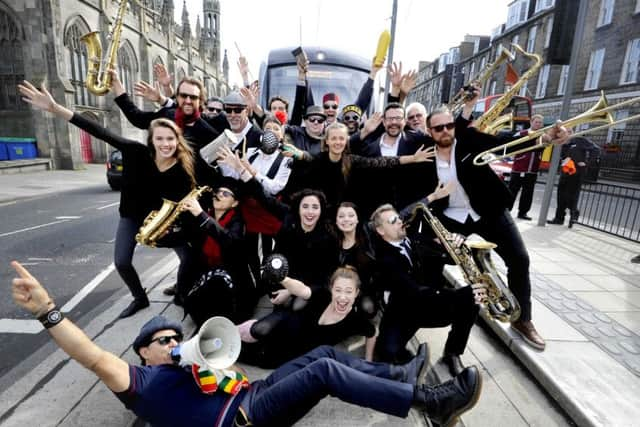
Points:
x=329, y=318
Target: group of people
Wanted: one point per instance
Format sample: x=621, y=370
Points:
x=330, y=194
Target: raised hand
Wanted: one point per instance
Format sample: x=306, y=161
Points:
x=395, y=74
x=371, y=124
x=424, y=154
x=162, y=75
x=192, y=205
x=28, y=293
x=442, y=191
x=39, y=98
x=408, y=82
x=148, y=92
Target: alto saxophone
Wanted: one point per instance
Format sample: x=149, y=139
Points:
x=474, y=258
x=157, y=223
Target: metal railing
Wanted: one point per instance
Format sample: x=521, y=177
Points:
x=614, y=209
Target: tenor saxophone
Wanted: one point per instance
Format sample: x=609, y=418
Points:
x=474, y=259
x=157, y=223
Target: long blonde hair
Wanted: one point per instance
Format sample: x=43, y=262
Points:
x=345, y=158
x=183, y=154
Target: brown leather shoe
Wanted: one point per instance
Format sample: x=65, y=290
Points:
x=528, y=332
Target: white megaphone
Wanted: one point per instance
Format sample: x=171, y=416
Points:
x=216, y=346
x=210, y=151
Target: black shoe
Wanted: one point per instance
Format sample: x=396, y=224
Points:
x=444, y=403
x=525, y=217
x=169, y=290
x=177, y=300
x=636, y=259
x=411, y=371
x=136, y=305
x=555, y=221
x=453, y=362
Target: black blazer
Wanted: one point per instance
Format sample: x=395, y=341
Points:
x=488, y=195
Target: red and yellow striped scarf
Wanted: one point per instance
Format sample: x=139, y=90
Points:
x=210, y=380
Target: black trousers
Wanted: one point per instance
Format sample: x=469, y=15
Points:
x=501, y=230
x=568, y=194
x=432, y=309
x=527, y=182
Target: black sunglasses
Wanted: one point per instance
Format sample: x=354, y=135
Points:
x=440, y=128
x=214, y=109
x=188, y=95
x=351, y=118
x=392, y=220
x=167, y=339
x=316, y=119
x=236, y=110
x=225, y=193
x=330, y=106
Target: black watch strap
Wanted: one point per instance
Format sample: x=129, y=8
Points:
x=51, y=318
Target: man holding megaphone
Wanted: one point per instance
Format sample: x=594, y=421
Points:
x=195, y=384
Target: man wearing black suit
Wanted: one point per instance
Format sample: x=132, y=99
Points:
x=411, y=270
x=480, y=203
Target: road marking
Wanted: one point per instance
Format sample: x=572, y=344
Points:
x=30, y=263
x=107, y=206
x=35, y=227
x=21, y=326
x=8, y=203
x=87, y=289
x=68, y=217
x=40, y=259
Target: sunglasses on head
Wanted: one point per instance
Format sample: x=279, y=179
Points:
x=236, y=110
x=188, y=95
x=330, y=106
x=316, y=119
x=351, y=118
x=214, y=109
x=225, y=193
x=440, y=128
x=167, y=339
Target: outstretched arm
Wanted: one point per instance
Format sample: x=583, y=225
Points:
x=29, y=294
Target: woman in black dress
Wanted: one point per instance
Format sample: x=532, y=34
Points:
x=329, y=318
x=161, y=168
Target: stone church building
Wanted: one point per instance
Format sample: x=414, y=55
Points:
x=40, y=41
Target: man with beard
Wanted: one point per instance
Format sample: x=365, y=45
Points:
x=351, y=115
x=247, y=135
x=480, y=202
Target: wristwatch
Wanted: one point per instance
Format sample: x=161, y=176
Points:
x=51, y=318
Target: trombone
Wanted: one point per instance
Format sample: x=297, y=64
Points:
x=599, y=113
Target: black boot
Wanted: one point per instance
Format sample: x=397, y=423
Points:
x=556, y=221
x=453, y=362
x=136, y=305
x=411, y=371
x=444, y=403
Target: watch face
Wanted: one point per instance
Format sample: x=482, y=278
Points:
x=54, y=316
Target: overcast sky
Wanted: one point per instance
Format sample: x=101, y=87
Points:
x=424, y=29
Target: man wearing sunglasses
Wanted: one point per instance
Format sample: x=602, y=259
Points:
x=351, y=115
x=166, y=394
x=480, y=202
x=213, y=107
x=411, y=270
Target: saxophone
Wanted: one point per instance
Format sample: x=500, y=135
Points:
x=98, y=79
x=158, y=223
x=474, y=258
x=493, y=113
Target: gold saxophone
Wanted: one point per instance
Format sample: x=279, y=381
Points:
x=158, y=223
x=474, y=258
x=493, y=113
x=98, y=79
x=456, y=104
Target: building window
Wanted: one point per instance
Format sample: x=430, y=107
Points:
x=543, y=77
x=547, y=36
x=517, y=13
x=523, y=89
x=77, y=65
x=472, y=71
x=631, y=62
x=637, y=6
x=127, y=67
x=595, y=68
x=606, y=12
x=531, y=40
x=492, y=89
x=12, y=65
x=562, y=83
x=616, y=132
x=543, y=4
x=483, y=63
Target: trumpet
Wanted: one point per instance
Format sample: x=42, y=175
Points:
x=481, y=77
x=599, y=113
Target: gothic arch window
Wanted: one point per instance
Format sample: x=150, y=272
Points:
x=127, y=66
x=77, y=62
x=12, y=63
x=181, y=75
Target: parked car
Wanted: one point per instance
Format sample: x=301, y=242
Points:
x=114, y=170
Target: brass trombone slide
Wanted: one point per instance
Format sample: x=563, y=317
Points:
x=600, y=112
